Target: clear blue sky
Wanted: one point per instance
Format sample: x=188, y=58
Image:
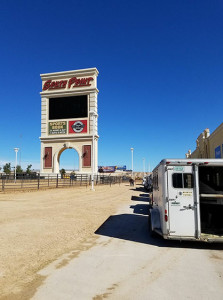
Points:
x=160, y=72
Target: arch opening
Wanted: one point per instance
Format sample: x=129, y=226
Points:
x=68, y=160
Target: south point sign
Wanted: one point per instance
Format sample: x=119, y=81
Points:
x=69, y=106
x=71, y=83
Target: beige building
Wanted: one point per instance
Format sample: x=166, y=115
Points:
x=208, y=145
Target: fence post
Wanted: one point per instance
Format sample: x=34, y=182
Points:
x=57, y=182
x=38, y=182
x=110, y=181
x=48, y=180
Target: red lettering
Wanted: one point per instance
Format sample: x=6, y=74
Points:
x=46, y=85
x=52, y=86
x=63, y=84
x=76, y=82
x=71, y=81
x=57, y=84
x=89, y=79
x=80, y=82
x=83, y=81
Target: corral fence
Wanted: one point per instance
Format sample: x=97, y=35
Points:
x=8, y=182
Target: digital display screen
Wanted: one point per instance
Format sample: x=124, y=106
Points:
x=68, y=107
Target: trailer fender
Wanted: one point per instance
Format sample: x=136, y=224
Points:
x=155, y=218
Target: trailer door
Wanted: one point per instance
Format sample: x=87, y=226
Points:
x=181, y=201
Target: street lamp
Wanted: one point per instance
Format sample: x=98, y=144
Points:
x=16, y=151
x=94, y=116
x=132, y=160
x=143, y=167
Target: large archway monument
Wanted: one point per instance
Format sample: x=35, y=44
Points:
x=69, y=118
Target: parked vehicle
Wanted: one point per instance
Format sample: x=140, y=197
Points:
x=187, y=202
x=148, y=183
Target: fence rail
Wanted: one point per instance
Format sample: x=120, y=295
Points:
x=8, y=183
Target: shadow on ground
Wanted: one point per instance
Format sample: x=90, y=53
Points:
x=141, y=209
x=144, y=195
x=138, y=189
x=138, y=198
x=134, y=228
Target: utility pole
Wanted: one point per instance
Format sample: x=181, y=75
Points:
x=16, y=151
x=94, y=116
x=132, y=160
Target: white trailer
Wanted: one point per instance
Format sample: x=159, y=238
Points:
x=187, y=200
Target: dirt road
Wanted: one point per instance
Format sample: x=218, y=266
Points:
x=88, y=245
x=38, y=227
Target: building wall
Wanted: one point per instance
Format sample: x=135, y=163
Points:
x=208, y=145
x=215, y=141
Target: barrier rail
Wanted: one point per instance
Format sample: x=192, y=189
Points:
x=8, y=183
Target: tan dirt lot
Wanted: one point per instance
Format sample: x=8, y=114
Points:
x=38, y=227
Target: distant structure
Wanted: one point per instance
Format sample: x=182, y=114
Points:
x=111, y=169
x=208, y=145
x=69, y=119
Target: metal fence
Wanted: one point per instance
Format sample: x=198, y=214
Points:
x=8, y=183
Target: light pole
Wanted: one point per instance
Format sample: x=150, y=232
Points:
x=132, y=160
x=16, y=151
x=143, y=167
x=94, y=115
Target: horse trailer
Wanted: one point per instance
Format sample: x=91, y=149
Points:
x=187, y=200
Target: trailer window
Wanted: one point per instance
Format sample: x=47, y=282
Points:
x=155, y=181
x=177, y=180
x=182, y=180
x=188, y=181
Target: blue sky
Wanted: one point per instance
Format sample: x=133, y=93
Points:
x=160, y=73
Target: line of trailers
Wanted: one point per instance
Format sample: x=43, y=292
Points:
x=187, y=200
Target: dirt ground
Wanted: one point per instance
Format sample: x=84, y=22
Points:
x=38, y=227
